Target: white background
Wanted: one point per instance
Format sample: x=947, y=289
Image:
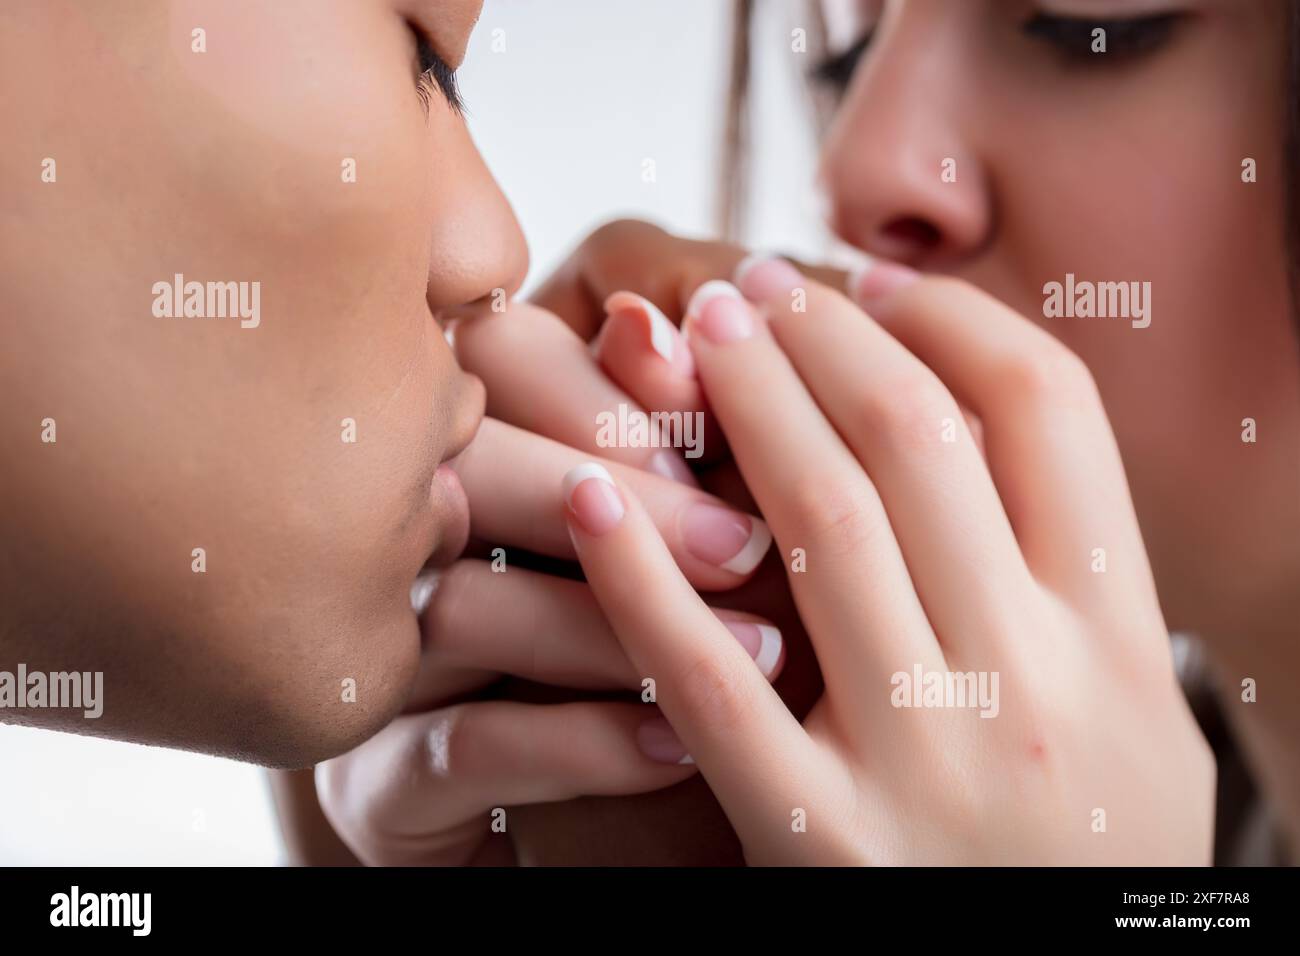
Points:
x=583, y=93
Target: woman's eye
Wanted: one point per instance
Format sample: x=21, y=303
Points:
x=837, y=69
x=1075, y=38
x=434, y=72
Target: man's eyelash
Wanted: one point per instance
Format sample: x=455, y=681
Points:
x=434, y=72
x=1073, y=37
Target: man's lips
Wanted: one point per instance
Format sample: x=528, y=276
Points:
x=461, y=440
x=451, y=505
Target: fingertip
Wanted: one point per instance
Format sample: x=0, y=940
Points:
x=753, y=551
x=656, y=739
x=762, y=277
x=593, y=499
x=707, y=292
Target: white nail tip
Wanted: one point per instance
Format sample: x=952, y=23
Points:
x=422, y=589
x=688, y=759
x=712, y=289
x=746, y=560
x=661, y=330
x=769, y=650
x=747, y=263
x=581, y=473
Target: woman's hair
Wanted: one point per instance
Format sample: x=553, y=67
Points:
x=1292, y=154
x=733, y=170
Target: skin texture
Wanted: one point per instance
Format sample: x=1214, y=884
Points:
x=354, y=277
x=175, y=434
x=1038, y=141
x=1039, y=147
x=913, y=564
x=1158, y=201
x=1042, y=145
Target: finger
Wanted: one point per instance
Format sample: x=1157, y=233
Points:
x=856, y=595
x=646, y=354
x=541, y=377
x=416, y=791
x=911, y=437
x=1049, y=444
x=730, y=720
x=509, y=476
x=641, y=257
x=480, y=623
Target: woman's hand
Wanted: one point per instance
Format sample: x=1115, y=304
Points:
x=917, y=560
x=429, y=788
x=629, y=254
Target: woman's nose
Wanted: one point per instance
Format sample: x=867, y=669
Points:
x=903, y=179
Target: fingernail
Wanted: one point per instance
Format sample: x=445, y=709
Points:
x=422, y=589
x=761, y=277
x=592, y=498
x=658, y=742
x=449, y=333
x=719, y=312
x=662, y=333
x=728, y=539
x=762, y=641
x=669, y=464
x=875, y=279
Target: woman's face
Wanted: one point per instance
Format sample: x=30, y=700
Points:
x=1123, y=166
x=297, y=444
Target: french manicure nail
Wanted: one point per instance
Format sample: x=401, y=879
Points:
x=657, y=741
x=592, y=498
x=875, y=279
x=663, y=334
x=761, y=641
x=761, y=277
x=727, y=539
x=720, y=313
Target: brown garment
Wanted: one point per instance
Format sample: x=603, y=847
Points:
x=1244, y=833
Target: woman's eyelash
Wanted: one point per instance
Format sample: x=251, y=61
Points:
x=435, y=72
x=1073, y=37
x=837, y=69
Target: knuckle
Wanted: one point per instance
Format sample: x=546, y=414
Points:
x=619, y=234
x=906, y=413
x=716, y=693
x=829, y=511
x=1049, y=376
